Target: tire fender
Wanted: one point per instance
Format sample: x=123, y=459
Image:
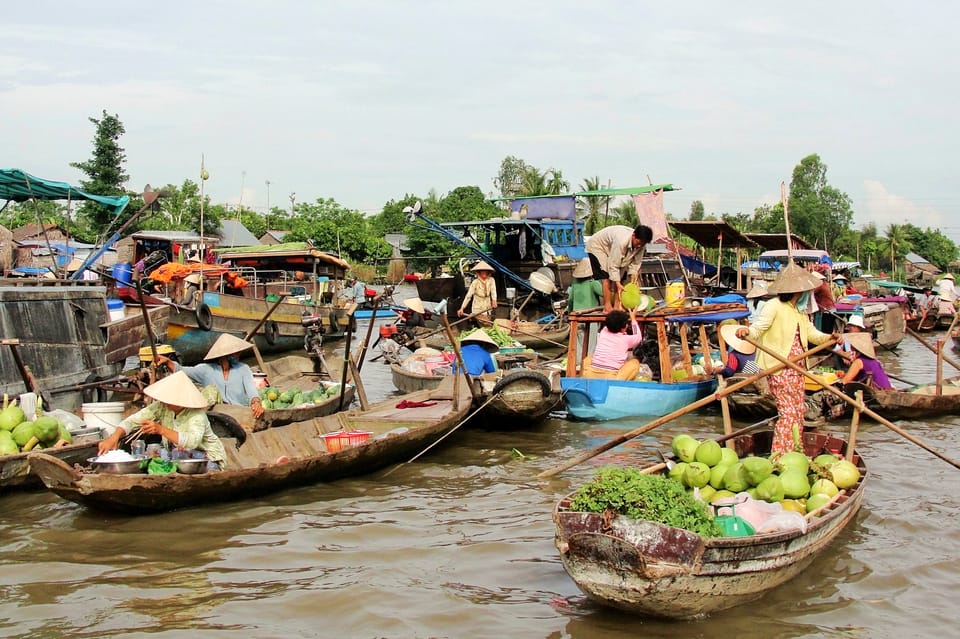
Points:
x=521, y=374
x=271, y=331
x=204, y=317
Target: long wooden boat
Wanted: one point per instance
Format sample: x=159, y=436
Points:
x=510, y=398
x=273, y=459
x=918, y=402
x=15, y=469
x=593, y=398
x=273, y=418
x=923, y=323
x=654, y=570
x=885, y=317
x=527, y=334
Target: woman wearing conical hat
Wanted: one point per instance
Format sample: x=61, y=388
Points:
x=223, y=371
x=178, y=415
x=784, y=327
x=865, y=367
x=482, y=292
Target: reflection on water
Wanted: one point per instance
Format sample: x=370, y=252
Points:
x=460, y=544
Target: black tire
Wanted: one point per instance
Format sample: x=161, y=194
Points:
x=521, y=375
x=93, y=394
x=271, y=331
x=226, y=426
x=204, y=317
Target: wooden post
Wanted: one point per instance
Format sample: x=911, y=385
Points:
x=705, y=348
x=854, y=426
x=939, y=367
x=346, y=358
x=666, y=373
x=572, y=348
x=460, y=365
x=685, y=350
x=725, y=409
x=361, y=392
x=948, y=360
x=585, y=349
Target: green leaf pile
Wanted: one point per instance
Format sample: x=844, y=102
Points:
x=655, y=498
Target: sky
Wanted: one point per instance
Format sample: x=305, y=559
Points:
x=367, y=101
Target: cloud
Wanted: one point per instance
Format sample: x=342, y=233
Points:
x=883, y=208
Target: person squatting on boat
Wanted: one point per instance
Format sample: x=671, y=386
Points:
x=412, y=318
x=476, y=350
x=482, y=293
x=223, y=374
x=355, y=291
x=178, y=415
x=865, y=368
x=584, y=292
x=784, y=327
x=614, y=252
x=612, y=358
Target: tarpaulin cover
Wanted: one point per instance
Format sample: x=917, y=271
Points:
x=709, y=318
x=20, y=186
x=551, y=207
x=729, y=298
x=697, y=266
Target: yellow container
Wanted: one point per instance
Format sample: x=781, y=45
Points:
x=810, y=385
x=674, y=294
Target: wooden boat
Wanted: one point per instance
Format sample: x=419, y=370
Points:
x=198, y=319
x=919, y=402
x=649, y=569
x=15, y=469
x=885, y=317
x=66, y=337
x=273, y=459
x=510, y=397
x=526, y=334
x=594, y=398
x=282, y=416
x=923, y=323
x=755, y=401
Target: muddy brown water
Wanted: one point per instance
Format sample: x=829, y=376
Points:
x=460, y=544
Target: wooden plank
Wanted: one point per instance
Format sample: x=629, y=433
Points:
x=685, y=351
x=666, y=374
x=705, y=350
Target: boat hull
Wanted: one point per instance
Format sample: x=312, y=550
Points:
x=591, y=398
x=653, y=570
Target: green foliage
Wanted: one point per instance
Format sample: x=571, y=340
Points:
x=104, y=170
x=932, y=244
x=392, y=219
x=696, y=211
x=592, y=207
x=337, y=229
x=464, y=203
x=895, y=245
x=656, y=498
x=818, y=211
x=511, y=176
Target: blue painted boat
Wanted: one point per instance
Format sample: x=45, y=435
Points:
x=382, y=313
x=602, y=399
x=594, y=398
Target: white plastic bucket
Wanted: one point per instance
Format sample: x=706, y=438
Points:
x=115, y=308
x=103, y=415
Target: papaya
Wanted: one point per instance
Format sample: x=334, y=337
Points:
x=47, y=429
x=64, y=434
x=11, y=416
x=23, y=433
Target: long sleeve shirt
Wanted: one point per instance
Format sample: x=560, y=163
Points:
x=192, y=426
x=614, y=348
x=613, y=249
x=775, y=328
x=238, y=389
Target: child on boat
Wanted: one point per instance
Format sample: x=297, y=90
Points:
x=612, y=357
x=741, y=355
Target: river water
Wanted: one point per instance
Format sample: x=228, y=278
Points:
x=460, y=544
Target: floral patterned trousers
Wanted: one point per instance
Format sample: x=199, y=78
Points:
x=788, y=391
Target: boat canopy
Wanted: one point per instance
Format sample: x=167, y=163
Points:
x=769, y=258
x=288, y=256
x=713, y=234
x=19, y=186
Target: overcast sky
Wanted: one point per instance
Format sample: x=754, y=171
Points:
x=364, y=102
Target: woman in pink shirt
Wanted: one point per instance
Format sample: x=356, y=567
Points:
x=612, y=357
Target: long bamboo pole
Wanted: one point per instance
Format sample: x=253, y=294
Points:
x=926, y=344
x=616, y=441
x=858, y=405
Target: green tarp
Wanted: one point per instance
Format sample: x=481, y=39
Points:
x=20, y=186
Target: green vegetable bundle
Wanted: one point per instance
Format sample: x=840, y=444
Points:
x=655, y=498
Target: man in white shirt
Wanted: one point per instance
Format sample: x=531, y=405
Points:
x=616, y=253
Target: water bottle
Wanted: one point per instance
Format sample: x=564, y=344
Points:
x=138, y=448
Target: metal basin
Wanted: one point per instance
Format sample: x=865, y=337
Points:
x=191, y=466
x=117, y=467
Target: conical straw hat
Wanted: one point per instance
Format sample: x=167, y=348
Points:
x=480, y=337
x=483, y=266
x=414, y=304
x=227, y=345
x=583, y=268
x=176, y=390
x=793, y=279
x=729, y=333
x=863, y=342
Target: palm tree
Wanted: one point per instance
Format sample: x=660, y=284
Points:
x=592, y=205
x=897, y=244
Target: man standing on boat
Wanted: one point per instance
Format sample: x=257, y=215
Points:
x=356, y=290
x=614, y=252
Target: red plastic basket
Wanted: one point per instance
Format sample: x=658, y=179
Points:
x=340, y=440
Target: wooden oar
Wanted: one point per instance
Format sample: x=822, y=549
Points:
x=858, y=405
x=540, y=337
x=616, y=441
x=460, y=365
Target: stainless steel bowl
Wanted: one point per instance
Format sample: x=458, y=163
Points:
x=192, y=466
x=117, y=467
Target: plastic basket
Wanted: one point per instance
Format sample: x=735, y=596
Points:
x=340, y=440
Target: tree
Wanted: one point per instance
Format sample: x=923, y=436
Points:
x=392, y=219
x=464, y=203
x=932, y=244
x=591, y=206
x=104, y=170
x=512, y=173
x=334, y=228
x=818, y=211
x=896, y=245
x=696, y=211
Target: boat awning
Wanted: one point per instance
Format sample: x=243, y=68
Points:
x=710, y=318
x=773, y=241
x=713, y=234
x=289, y=252
x=19, y=186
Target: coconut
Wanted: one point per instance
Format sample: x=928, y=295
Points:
x=815, y=501
x=825, y=460
x=823, y=487
x=677, y=471
x=757, y=469
x=10, y=417
x=793, y=461
x=793, y=505
x=735, y=479
x=630, y=296
x=23, y=433
x=717, y=473
x=770, y=489
x=696, y=475
x=721, y=495
x=728, y=456
x=707, y=493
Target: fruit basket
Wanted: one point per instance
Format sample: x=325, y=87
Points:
x=340, y=440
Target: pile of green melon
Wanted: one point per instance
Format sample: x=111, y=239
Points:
x=793, y=480
x=18, y=435
x=273, y=398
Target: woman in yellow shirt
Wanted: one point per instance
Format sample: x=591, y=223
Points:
x=784, y=327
